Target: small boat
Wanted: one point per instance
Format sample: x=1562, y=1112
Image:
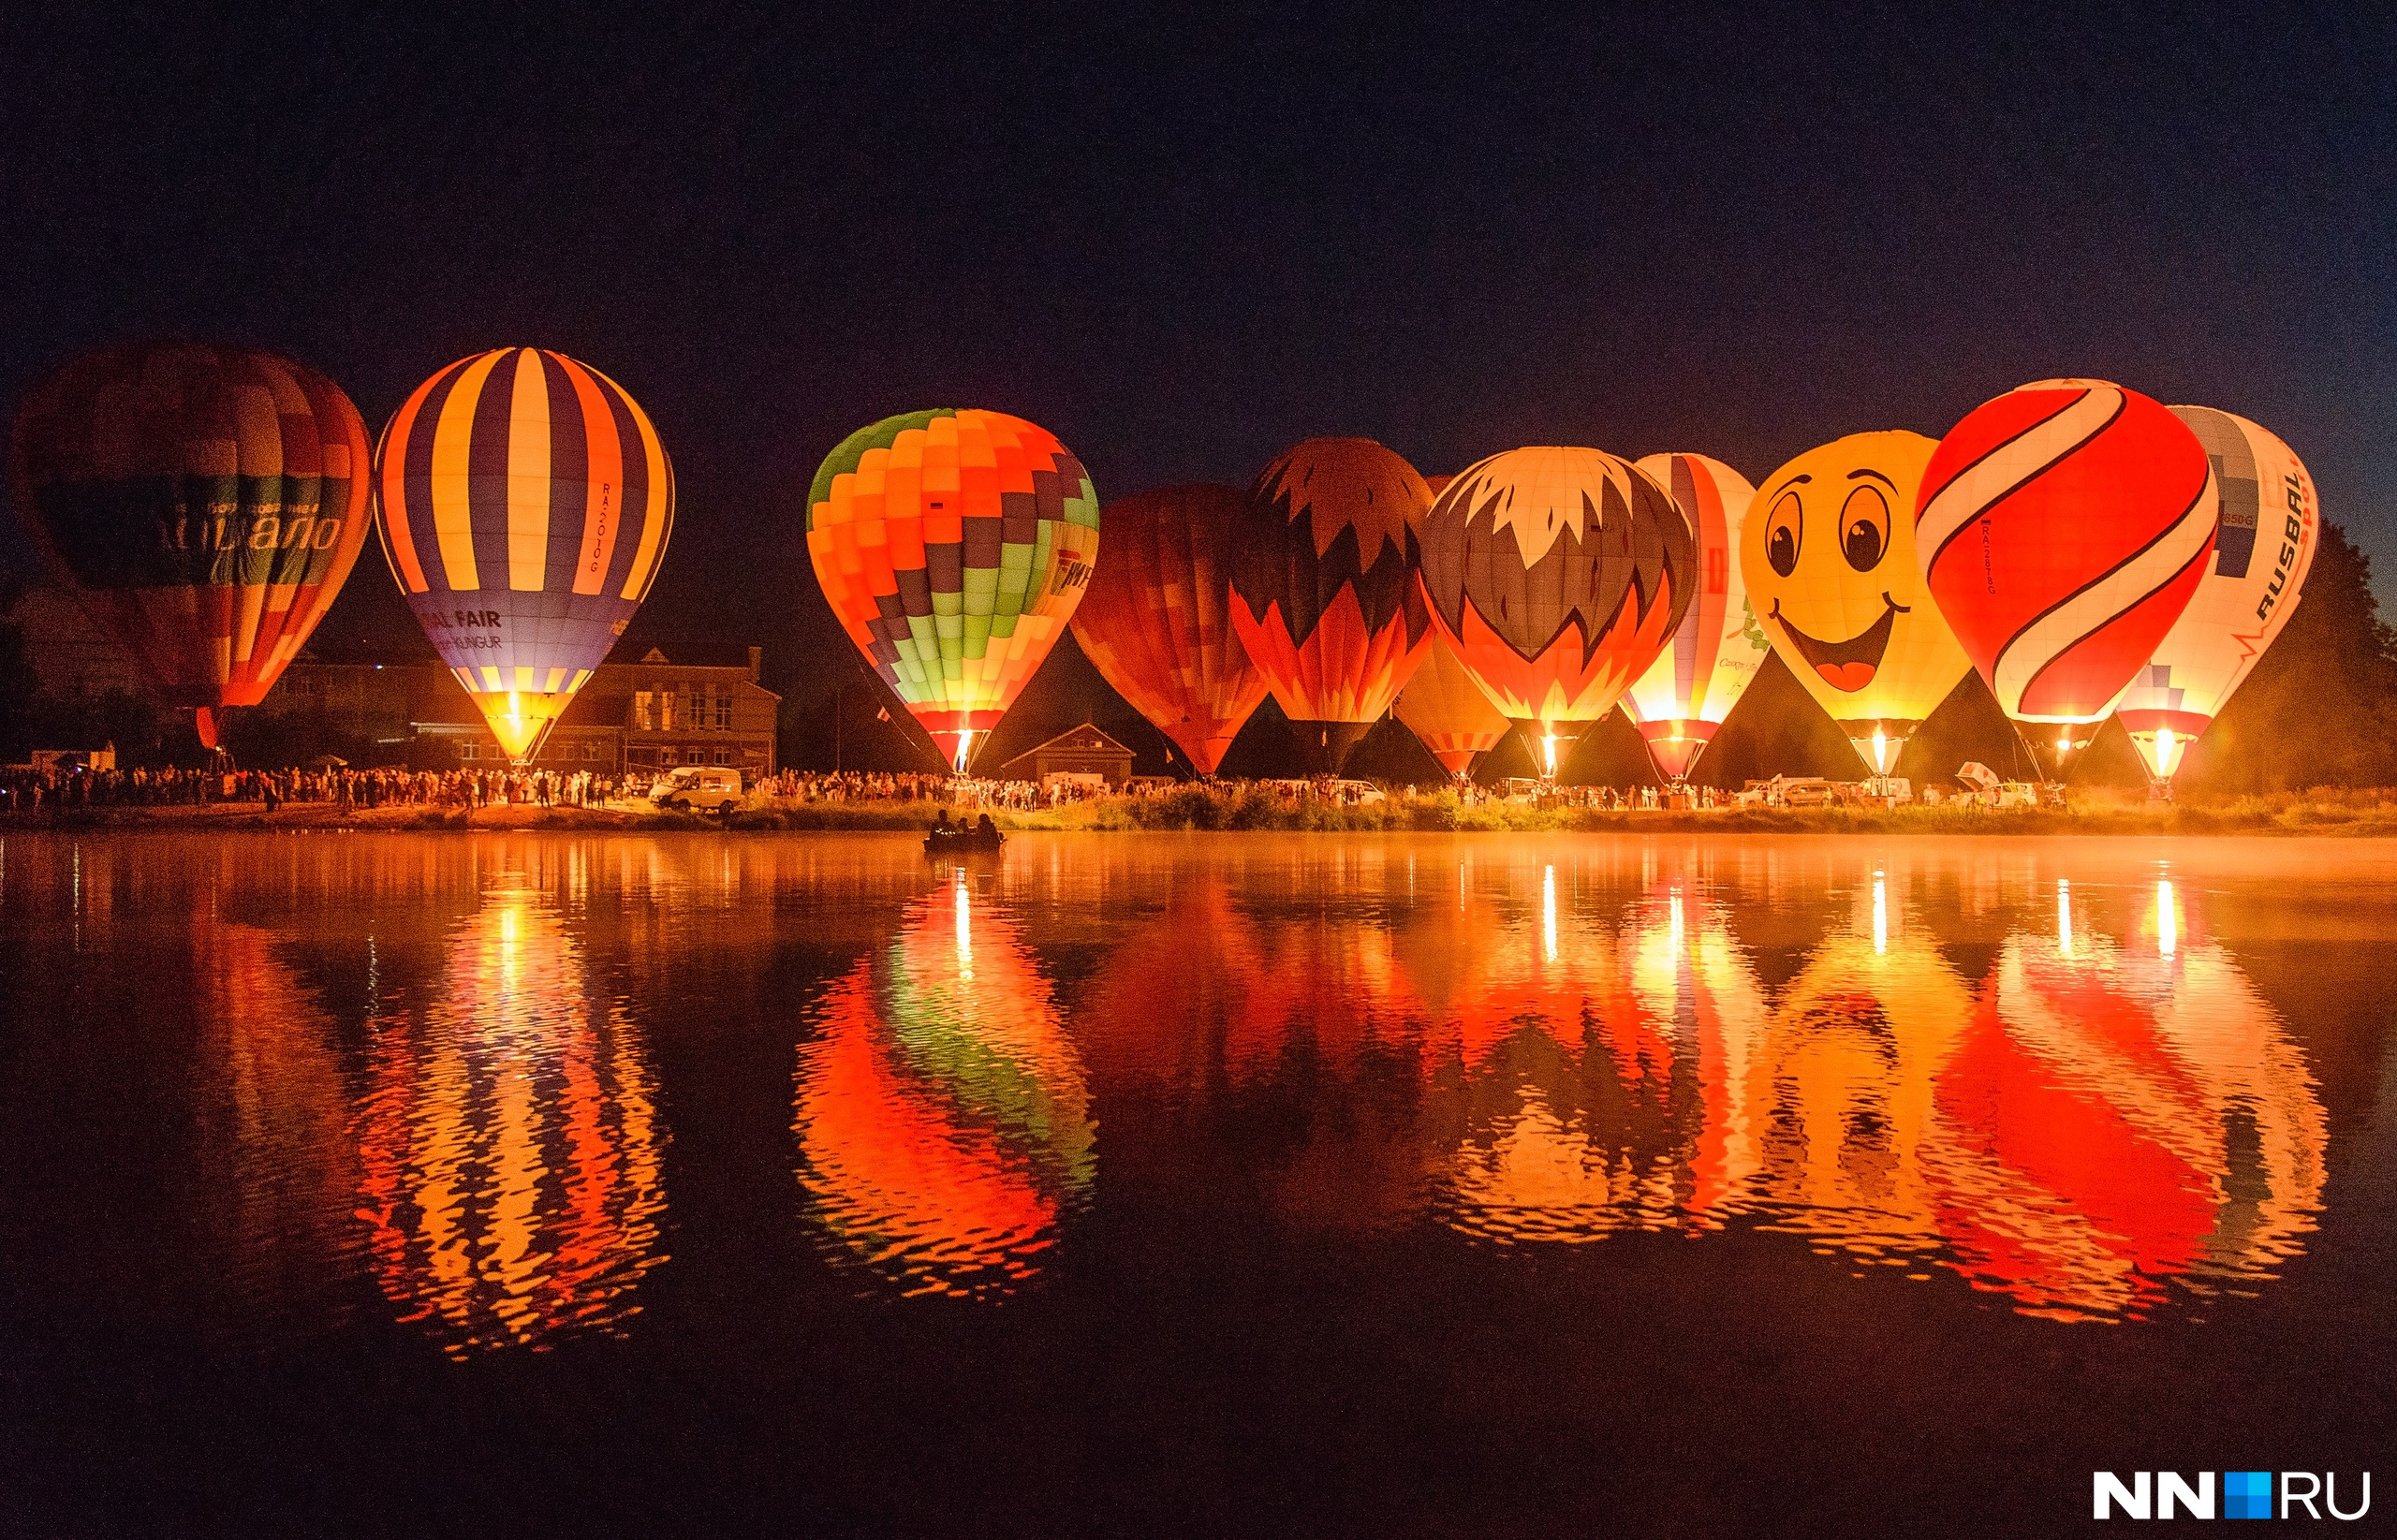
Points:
x=962, y=841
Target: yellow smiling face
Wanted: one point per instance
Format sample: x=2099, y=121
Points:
x=1828, y=555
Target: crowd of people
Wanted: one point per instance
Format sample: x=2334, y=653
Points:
x=54, y=788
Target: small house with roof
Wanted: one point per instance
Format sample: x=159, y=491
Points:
x=1077, y=752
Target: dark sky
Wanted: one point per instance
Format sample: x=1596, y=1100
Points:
x=1182, y=242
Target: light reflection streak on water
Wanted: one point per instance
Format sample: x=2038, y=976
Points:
x=2167, y=923
x=1880, y=913
x=2064, y=917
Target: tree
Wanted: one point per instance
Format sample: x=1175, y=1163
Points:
x=2321, y=707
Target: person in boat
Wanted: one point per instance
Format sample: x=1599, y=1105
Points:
x=985, y=831
x=942, y=827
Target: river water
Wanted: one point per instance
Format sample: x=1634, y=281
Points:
x=1233, y=1184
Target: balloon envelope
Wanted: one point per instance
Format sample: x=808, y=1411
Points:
x=953, y=544
x=2062, y=528
x=203, y=503
x=525, y=503
x=2271, y=524
x=1827, y=552
x=1155, y=620
x=1323, y=585
x=1718, y=647
x=1447, y=710
x=1558, y=575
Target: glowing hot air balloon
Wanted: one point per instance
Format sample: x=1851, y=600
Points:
x=1718, y=647
x=2062, y=528
x=1827, y=555
x=1156, y=620
x=1446, y=708
x=203, y=503
x=953, y=545
x=1558, y=575
x=2271, y=524
x=1323, y=587
x=525, y=503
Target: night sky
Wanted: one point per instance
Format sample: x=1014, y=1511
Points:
x=1182, y=243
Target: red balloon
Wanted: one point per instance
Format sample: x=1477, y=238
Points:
x=2062, y=527
x=1156, y=620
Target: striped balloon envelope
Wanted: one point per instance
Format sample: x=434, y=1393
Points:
x=1155, y=620
x=2062, y=528
x=953, y=545
x=203, y=503
x=1717, y=649
x=524, y=504
x=2271, y=524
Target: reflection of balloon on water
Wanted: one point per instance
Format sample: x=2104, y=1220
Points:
x=1446, y=708
x=1558, y=575
x=509, y=1141
x=2271, y=524
x=525, y=503
x=2110, y=1122
x=1843, y=1086
x=1717, y=648
x=953, y=545
x=203, y=504
x=1157, y=619
x=944, y=1126
x=1827, y=552
x=2062, y=528
x=1323, y=587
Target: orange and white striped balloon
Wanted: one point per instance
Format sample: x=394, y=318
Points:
x=524, y=504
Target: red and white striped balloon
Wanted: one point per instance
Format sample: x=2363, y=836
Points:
x=2063, y=529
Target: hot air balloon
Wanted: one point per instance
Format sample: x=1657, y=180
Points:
x=2062, y=528
x=1323, y=587
x=525, y=505
x=953, y=545
x=2271, y=524
x=1156, y=621
x=1828, y=556
x=1446, y=708
x=1718, y=647
x=203, y=503
x=1558, y=575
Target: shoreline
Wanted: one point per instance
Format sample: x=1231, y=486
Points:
x=2289, y=816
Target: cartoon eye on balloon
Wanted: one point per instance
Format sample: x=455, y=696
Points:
x=1784, y=530
x=1864, y=528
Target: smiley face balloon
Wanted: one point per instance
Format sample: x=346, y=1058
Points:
x=1827, y=551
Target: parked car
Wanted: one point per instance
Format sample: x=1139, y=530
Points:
x=702, y=788
x=1358, y=792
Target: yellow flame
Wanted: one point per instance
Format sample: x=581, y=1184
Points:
x=964, y=741
x=2164, y=745
x=1880, y=752
x=1549, y=743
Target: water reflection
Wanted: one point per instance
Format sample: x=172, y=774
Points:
x=509, y=1139
x=944, y=1126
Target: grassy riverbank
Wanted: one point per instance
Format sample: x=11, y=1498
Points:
x=2321, y=812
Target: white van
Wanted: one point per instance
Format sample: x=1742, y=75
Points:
x=704, y=788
